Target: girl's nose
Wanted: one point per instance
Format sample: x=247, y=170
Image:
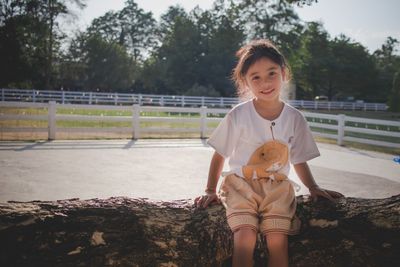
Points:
x=266, y=82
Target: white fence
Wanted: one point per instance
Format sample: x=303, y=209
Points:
x=339, y=127
x=70, y=97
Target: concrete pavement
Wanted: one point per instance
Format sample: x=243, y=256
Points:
x=164, y=170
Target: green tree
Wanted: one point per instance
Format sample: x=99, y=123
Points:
x=388, y=63
x=30, y=34
x=108, y=66
x=394, y=98
x=219, y=59
x=336, y=68
x=130, y=27
x=197, y=51
x=172, y=66
x=310, y=66
x=271, y=19
x=72, y=67
x=352, y=71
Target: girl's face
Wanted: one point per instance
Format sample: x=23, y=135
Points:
x=265, y=78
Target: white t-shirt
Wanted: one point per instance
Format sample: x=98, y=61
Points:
x=243, y=130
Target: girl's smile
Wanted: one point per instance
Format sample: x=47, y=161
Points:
x=266, y=92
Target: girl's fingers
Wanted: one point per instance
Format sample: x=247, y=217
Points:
x=199, y=201
x=335, y=194
x=208, y=201
x=321, y=193
x=314, y=198
x=203, y=201
x=328, y=196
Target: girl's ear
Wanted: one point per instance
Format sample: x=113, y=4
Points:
x=284, y=75
x=244, y=83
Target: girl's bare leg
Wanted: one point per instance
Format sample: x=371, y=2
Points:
x=244, y=241
x=278, y=250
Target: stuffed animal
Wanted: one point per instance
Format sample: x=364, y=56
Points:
x=266, y=161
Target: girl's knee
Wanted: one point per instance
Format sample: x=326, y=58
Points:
x=245, y=238
x=277, y=241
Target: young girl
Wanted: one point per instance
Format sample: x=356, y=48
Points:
x=261, y=137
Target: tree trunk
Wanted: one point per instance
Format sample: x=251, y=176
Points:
x=136, y=232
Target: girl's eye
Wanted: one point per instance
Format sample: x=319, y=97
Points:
x=255, y=78
x=272, y=73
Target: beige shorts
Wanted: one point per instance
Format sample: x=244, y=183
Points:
x=261, y=204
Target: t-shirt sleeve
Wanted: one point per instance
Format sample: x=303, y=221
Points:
x=225, y=136
x=303, y=146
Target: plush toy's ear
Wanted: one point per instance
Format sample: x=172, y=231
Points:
x=247, y=172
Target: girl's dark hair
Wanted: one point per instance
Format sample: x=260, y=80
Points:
x=250, y=53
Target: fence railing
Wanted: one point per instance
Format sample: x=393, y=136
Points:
x=147, y=119
x=97, y=98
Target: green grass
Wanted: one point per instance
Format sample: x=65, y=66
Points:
x=358, y=124
x=95, y=112
x=387, y=150
x=128, y=113
x=379, y=115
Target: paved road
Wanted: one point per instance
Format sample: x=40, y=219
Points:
x=163, y=170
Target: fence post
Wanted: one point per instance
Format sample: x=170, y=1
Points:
x=203, y=122
x=341, y=123
x=116, y=99
x=136, y=121
x=63, y=97
x=90, y=98
x=202, y=101
x=33, y=96
x=52, y=109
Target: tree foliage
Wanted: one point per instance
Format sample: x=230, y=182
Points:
x=130, y=27
x=388, y=63
x=192, y=53
x=30, y=40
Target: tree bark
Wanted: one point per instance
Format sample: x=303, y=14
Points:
x=123, y=231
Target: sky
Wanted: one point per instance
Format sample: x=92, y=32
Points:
x=368, y=22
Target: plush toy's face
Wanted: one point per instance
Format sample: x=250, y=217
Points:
x=271, y=152
x=267, y=160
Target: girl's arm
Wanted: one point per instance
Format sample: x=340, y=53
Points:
x=216, y=165
x=304, y=173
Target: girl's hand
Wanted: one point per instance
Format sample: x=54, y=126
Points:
x=317, y=191
x=205, y=200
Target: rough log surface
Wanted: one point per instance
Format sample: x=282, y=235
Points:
x=136, y=232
